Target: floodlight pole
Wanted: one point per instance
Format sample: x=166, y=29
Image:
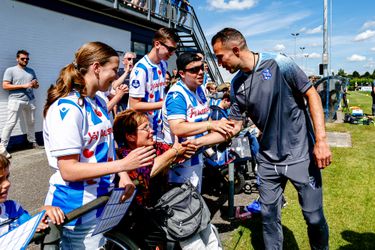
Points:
x=303, y=64
x=295, y=43
x=325, y=55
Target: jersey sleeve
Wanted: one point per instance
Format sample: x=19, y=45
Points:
x=65, y=125
x=8, y=75
x=137, y=83
x=176, y=106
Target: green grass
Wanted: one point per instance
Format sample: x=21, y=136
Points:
x=349, y=195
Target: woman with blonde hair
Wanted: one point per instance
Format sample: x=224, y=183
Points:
x=79, y=142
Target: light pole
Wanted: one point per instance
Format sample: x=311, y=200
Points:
x=302, y=49
x=295, y=43
x=306, y=61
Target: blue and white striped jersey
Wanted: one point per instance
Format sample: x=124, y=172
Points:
x=12, y=210
x=70, y=129
x=147, y=81
x=181, y=103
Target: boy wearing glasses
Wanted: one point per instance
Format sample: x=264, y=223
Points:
x=147, y=79
x=20, y=81
x=185, y=115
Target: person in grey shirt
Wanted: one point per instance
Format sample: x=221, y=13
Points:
x=20, y=81
x=275, y=93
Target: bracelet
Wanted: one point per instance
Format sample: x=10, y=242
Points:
x=176, y=150
x=209, y=126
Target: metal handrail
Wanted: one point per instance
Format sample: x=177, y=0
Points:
x=206, y=46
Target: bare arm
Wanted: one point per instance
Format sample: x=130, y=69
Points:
x=138, y=105
x=215, y=137
x=322, y=153
x=9, y=86
x=179, y=151
x=120, y=92
x=73, y=170
x=120, y=80
x=182, y=128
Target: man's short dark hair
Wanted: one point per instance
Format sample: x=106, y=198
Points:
x=226, y=95
x=186, y=58
x=23, y=52
x=229, y=34
x=164, y=34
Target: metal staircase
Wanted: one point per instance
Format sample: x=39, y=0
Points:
x=193, y=39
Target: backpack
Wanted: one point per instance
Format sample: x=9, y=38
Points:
x=182, y=212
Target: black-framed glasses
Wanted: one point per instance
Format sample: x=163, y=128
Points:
x=195, y=70
x=169, y=48
x=147, y=128
x=25, y=59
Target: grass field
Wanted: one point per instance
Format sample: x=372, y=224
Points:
x=349, y=195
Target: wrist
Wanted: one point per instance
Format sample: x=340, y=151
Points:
x=176, y=153
x=208, y=126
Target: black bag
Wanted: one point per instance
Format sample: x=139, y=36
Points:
x=182, y=212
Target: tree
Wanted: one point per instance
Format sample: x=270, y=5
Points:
x=366, y=75
x=341, y=72
x=373, y=74
x=356, y=74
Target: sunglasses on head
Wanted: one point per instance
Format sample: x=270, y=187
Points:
x=169, y=48
x=195, y=70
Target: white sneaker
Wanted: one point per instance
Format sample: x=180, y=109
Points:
x=4, y=152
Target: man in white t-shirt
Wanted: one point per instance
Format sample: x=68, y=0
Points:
x=20, y=81
x=147, y=79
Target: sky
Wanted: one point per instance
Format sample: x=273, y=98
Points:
x=268, y=26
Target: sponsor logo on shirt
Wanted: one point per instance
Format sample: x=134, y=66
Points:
x=194, y=112
x=95, y=135
x=136, y=84
x=156, y=85
x=266, y=74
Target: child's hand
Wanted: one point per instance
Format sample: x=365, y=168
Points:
x=54, y=214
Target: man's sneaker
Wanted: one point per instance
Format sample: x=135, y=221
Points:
x=4, y=152
x=37, y=146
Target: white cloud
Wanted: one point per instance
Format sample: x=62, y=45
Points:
x=356, y=58
x=364, y=35
x=315, y=30
x=232, y=4
x=372, y=49
x=259, y=23
x=315, y=55
x=368, y=24
x=279, y=47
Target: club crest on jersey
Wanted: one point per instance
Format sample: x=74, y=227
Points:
x=136, y=83
x=266, y=74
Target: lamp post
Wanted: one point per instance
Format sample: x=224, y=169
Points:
x=306, y=61
x=295, y=43
x=302, y=49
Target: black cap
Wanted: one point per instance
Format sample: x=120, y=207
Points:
x=186, y=58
